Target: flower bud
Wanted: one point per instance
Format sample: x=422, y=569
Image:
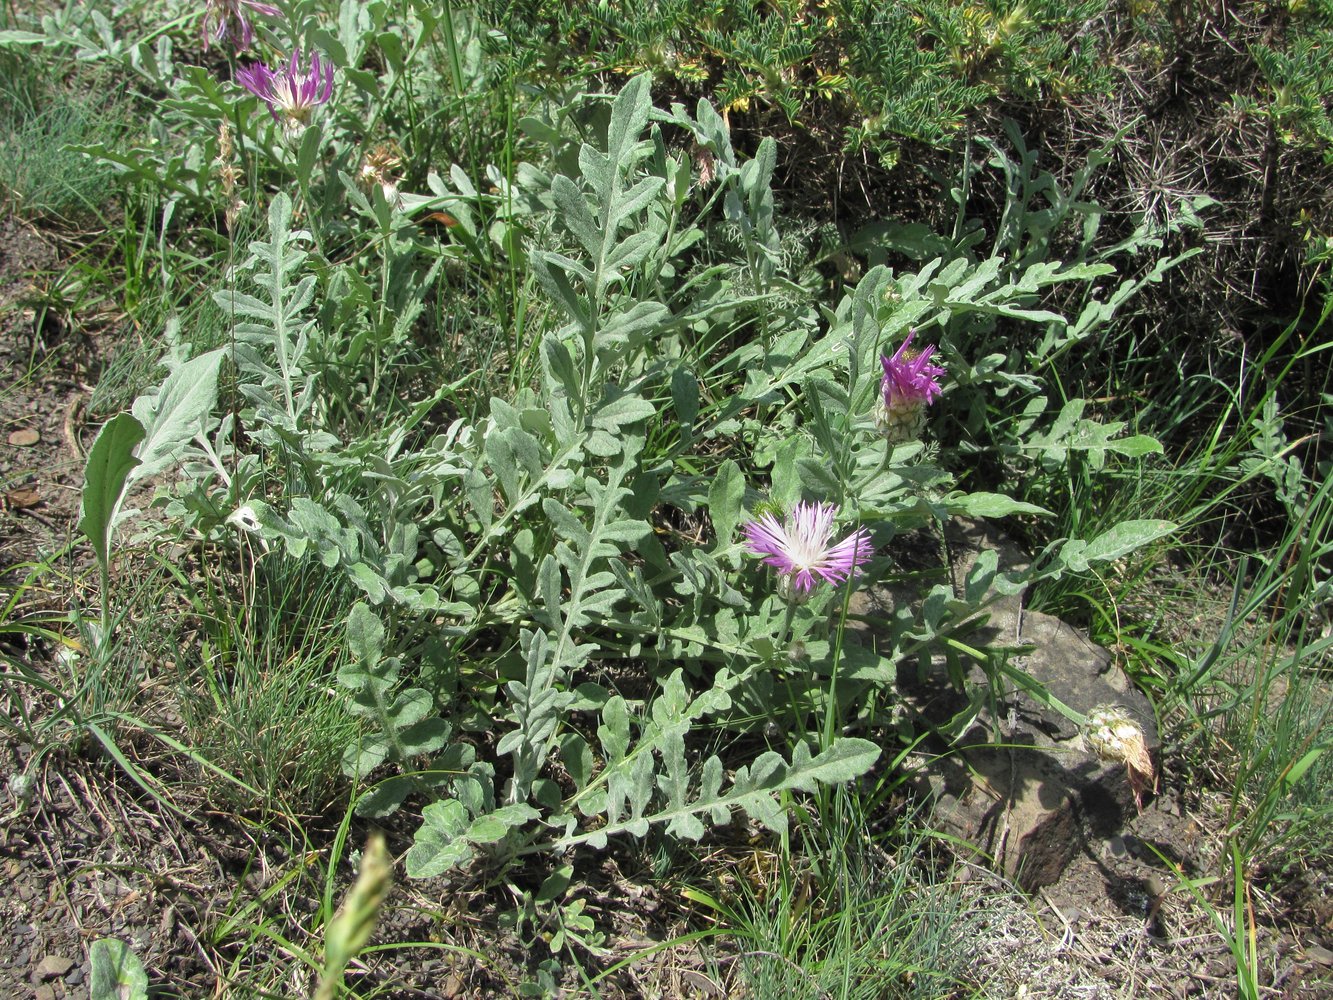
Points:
x=900, y=421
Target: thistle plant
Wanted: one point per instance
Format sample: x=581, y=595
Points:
x=225, y=19
x=802, y=550
x=379, y=169
x=292, y=92
x=516, y=553
x=910, y=385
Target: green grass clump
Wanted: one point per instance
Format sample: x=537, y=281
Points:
x=42, y=174
x=839, y=912
x=261, y=702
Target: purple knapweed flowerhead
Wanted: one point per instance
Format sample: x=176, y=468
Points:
x=802, y=550
x=231, y=18
x=293, y=91
x=910, y=385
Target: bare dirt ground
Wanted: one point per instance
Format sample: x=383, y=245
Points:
x=86, y=853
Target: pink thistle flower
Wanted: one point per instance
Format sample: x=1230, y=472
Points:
x=231, y=17
x=292, y=91
x=801, y=550
x=910, y=385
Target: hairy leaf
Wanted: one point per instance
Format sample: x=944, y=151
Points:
x=106, y=475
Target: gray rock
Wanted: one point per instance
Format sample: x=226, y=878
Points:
x=52, y=967
x=1318, y=953
x=1018, y=784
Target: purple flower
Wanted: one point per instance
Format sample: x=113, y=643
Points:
x=910, y=385
x=909, y=377
x=231, y=17
x=292, y=91
x=800, y=548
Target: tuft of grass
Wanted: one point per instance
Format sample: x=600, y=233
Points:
x=42, y=174
x=839, y=915
x=261, y=701
x=1261, y=693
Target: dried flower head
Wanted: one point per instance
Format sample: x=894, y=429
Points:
x=705, y=162
x=225, y=19
x=802, y=550
x=911, y=383
x=379, y=168
x=1113, y=735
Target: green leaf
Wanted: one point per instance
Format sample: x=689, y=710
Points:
x=559, y=365
x=177, y=413
x=574, y=213
x=116, y=972
x=627, y=409
x=555, y=884
x=446, y=838
x=308, y=152
x=1135, y=446
x=111, y=460
x=577, y=758
x=756, y=789
x=685, y=396
x=15, y=38
x=786, y=479
x=844, y=760
x=990, y=505
x=629, y=114
x=365, y=634
x=630, y=328
x=437, y=846
x=1297, y=770
x=1121, y=540
x=555, y=282
x=724, y=501
x=632, y=250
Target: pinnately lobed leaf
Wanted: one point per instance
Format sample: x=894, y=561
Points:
x=1119, y=541
x=177, y=413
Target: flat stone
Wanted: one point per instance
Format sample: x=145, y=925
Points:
x=1018, y=784
x=44, y=993
x=1319, y=954
x=52, y=967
